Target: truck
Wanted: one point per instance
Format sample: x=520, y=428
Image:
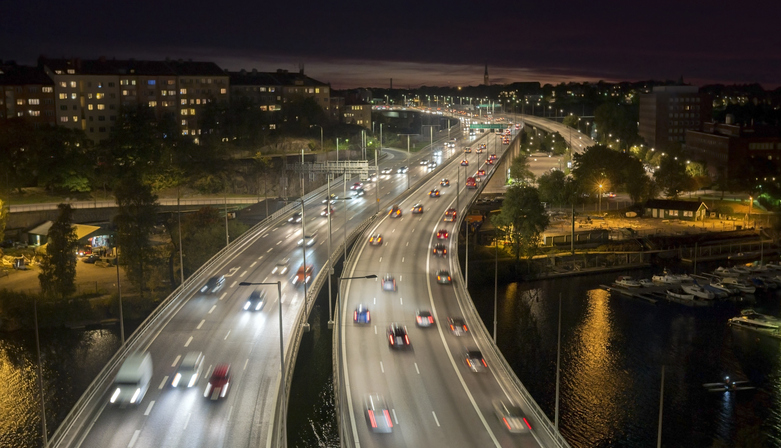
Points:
x=132, y=380
x=471, y=182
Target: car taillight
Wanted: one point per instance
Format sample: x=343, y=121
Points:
x=371, y=419
x=465, y=328
x=368, y=317
x=406, y=339
x=390, y=338
x=504, y=419
x=527, y=423
x=355, y=315
x=431, y=319
x=484, y=364
x=419, y=319
x=439, y=278
x=452, y=328
x=387, y=418
x=468, y=362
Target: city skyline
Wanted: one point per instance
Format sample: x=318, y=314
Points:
x=420, y=44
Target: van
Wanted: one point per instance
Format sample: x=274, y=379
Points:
x=132, y=380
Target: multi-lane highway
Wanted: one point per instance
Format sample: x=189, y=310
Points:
x=433, y=396
x=217, y=325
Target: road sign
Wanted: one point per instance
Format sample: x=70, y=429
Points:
x=487, y=126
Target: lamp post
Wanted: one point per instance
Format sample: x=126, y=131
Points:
x=339, y=294
x=600, y=198
x=281, y=343
x=321, y=134
x=303, y=237
x=496, y=280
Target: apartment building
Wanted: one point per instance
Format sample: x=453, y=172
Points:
x=27, y=93
x=198, y=84
x=668, y=111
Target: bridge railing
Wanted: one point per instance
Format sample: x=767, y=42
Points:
x=503, y=367
x=70, y=430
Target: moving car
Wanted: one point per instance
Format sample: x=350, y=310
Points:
x=442, y=234
x=511, y=416
x=295, y=219
x=481, y=172
x=468, y=150
x=482, y=145
x=189, y=370
x=424, y=162
x=90, y=259
x=440, y=250
x=443, y=277
x=480, y=150
x=333, y=199
x=219, y=382
x=256, y=300
x=402, y=170
x=474, y=360
x=432, y=165
x=214, y=284
x=361, y=315
x=471, y=182
x=397, y=336
x=327, y=211
x=388, y=283
x=377, y=413
x=132, y=380
x=356, y=186
x=450, y=215
x=375, y=240
x=417, y=209
x=395, y=211
x=386, y=171
x=464, y=162
x=303, y=275
x=358, y=192
x=457, y=325
x=444, y=183
x=451, y=144
x=281, y=267
x=423, y=318
x=433, y=193
x=310, y=239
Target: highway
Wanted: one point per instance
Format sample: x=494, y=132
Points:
x=433, y=397
x=216, y=325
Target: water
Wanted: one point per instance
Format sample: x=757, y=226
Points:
x=612, y=352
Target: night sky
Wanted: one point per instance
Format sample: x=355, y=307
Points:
x=363, y=43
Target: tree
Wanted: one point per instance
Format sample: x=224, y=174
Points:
x=600, y=164
x=58, y=266
x=3, y=219
x=136, y=217
x=571, y=121
x=671, y=176
x=203, y=235
x=519, y=169
x=523, y=219
x=618, y=120
x=557, y=188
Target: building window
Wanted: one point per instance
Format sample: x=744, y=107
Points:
x=63, y=107
x=102, y=118
x=63, y=119
x=151, y=82
x=34, y=113
x=153, y=104
x=20, y=102
x=101, y=129
x=89, y=106
x=47, y=89
x=184, y=122
x=101, y=106
x=170, y=82
x=192, y=111
x=71, y=71
x=112, y=117
x=73, y=96
x=272, y=126
x=63, y=96
x=184, y=112
x=73, y=84
x=183, y=102
x=223, y=91
x=182, y=91
x=100, y=96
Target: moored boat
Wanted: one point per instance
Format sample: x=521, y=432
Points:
x=755, y=321
x=679, y=295
x=627, y=282
x=697, y=291
x=739, y=285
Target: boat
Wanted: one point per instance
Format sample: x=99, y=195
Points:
x=718, y=293
x=627, y=282
x=679, y=295
x=721, y=271
x=666, y=278
x=724, y=287
x=697, y=291
x=741, y=270
x=728, y=386
x=739, y=285
x=752, y=320
x=647, y=283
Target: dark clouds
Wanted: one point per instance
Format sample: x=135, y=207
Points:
x=702, y=41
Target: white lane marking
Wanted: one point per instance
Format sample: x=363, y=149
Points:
x=230, y=411
x=407, y=244
x=233, y=284
x=212, y=309
x=393, y=230
x=416, y=368
x=253, y=264
x=270, y=249
x=178, y=357
x=245, y=364
x=435, y=417
x=282, y=299
x=382, y=367
x=162, y=383
x=223, y=295
x=187, y=419
x=134, y=438
x=264, y=235
x=226, y=336
x=402, y=219
x=149, y=408
x=243, y=273
x=260, y=257
x=395, y=419
x=380, y=259
x=375, y=300
x=401, y=277
x=401, y=300
x=375, y=329
x=279, y=242
x=187, y=344
x=402, y=259
x=203, y=321
x=413, y=231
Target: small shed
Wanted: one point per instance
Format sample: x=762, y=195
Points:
x=675, y=209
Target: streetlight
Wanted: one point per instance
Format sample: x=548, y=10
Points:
x=600, y=198
x=281, y=343
x=321, y=134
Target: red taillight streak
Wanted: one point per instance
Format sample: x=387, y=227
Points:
x=368, y=317
x=527, y=423
x=406, y=339
x=507, y=424
x=484, y=364
x=387, y=418
x=468, y=362
x=371, y=419
x=355, y=315
x=431, y=319
x=465, y=328
x=390, y=338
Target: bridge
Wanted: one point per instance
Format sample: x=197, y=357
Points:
x=253, y=412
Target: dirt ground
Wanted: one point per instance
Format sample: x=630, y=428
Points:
x=88, y=278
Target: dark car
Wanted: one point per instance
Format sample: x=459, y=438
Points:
x=464, y=162
x=474, y=360
x=219, y=382
x=442, y=234
x=423, y=318
x=417, y=209
x=91, y=258
x=444, y=183
x=397, y=336
x=358, y=192
x=361, y=315
x=440, y=250
x=256, y=300
x=433, y=193
x=457, y=325
x=388, y=283
x=450, y=215
x=395, y=211
x=214, y=284
x=402, y=169
x=295, y=219
x=375, y=240
x=443, y=277
x=377, y=413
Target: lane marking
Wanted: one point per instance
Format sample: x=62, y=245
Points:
x=223, y=295
x=245, y=364
x=279, y=242
x=230, y=411
x=401, y=300
x=382, y=367
x=375, y=300
x=244, y=273
x=416, y=368
x=260, y=257
x=212, y=308
x=407, y=244
x=176, y=360
x=393, y=230
x=149, y=408
x=401, y=277
x=380, y=259
x=270, y=249
x=375, y=329
x=402, y=260
x=395, y=419
x=187, y=344
x=187, y=419
x=162, y=383
x=413, y=231
x=226, y=336
x=200, y=324
x=233, y=284
x=134, y=438
x=435, y=417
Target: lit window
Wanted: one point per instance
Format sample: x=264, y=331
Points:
x=183, y=102
x=71, y=71
x=192, y=111
x=63, y=84
x=34, y=113
x=184, y=122
x=64, y=119
x=151, y=82
x=317, y=90
x=89, y=106
x=153, y=104
x=20, y=102
x=124, y=93
x=73, y=83
x=172, y=92
x=170, y=82
x=63, y=96
x=162, y=92
x=100, y=95
x=101, y=106
x=89, y=96
x=182, y=91
x=47, y=90
x=184, y=111
x=73, y=96
x=184, y=132
x=272, y=126
x=223, y=91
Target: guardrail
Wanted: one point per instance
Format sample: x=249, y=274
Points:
x=476, y=321
x=63, y=436
x=112, y=204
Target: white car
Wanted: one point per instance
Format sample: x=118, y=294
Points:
x=281, y=267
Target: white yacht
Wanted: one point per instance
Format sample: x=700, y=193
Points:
x=647, y=282
x=627, y=282
x=679, y=295
x=666, y=278
x=739, y=285
x=755, y=321
x=697, y=291
x=721, y=271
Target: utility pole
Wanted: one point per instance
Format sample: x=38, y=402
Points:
x=179, y=218
x=330, y=268
x=377, y=189
x=227, y=237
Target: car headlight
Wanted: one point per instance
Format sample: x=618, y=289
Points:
x=193, y=379
x=246, y=305
x=135, y=395
x=114, y=395
x=175, y=382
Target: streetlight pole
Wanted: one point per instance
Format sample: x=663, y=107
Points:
x=281, y=346
x=303, y=236
x=600, y=198
x=330, y=268
x=496, y=280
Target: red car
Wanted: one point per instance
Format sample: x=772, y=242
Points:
x=356, y=186
x=442, y=234
x=219, y=382
x=481, y=172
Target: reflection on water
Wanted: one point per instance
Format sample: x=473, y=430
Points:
x=71, y=360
